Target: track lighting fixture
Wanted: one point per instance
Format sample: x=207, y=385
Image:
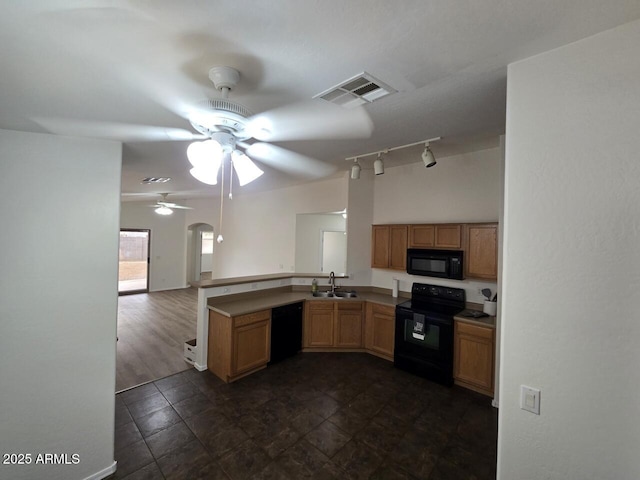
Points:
x=427, y=156
x=355, y=170
x=378, y=165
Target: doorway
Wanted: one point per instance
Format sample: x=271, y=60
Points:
x=133, y=261
x=334, y=252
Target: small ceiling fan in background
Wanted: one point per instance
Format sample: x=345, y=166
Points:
x=162, y=207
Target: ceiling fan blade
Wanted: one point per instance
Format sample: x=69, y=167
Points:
x=181, y=207
x=314, y=119
x=115, y=131
x=288, y=161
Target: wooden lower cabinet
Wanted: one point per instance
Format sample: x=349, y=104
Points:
x=380, y=321
x=473, y=363
x=348, y=325
x=319, y=324
x=333, y=324
x=238, y=345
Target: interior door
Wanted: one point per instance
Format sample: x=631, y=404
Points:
x=334, y=252
x=133, y=262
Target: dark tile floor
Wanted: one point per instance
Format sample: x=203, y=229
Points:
x=316, y=415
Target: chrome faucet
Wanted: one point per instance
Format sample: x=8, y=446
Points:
x=332, y=281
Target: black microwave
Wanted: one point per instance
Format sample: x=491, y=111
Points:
x=435, y=263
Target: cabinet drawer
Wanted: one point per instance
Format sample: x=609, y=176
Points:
x=340, y=305
x=314, y=305
x=250, y=318
x=474, y=330
x=383, y=309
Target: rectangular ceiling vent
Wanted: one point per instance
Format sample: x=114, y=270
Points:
x=358, y=90
x=156, y=180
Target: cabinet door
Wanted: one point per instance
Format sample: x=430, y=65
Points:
x=482, y=251
x=421, y=236
x=348, y=333
x=251, y=346
x=473, y=359
x=380, y=329
x=319, y=331
x=448, y=236
x=398, y=247
x=380, y=246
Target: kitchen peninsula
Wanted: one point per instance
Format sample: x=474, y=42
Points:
x=239, y=321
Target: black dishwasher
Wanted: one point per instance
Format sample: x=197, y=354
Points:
x=286, y=331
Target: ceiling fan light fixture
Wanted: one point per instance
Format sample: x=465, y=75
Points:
x=355, y=170
x=205, y=175
x=163, y=210
x=246, y=170
x=427, y=157
x=378, y=166
x=206, y=158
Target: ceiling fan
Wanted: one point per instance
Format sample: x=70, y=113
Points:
x=166, y=208
x=227, y=129
x=233, y=131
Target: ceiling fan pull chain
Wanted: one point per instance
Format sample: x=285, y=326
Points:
x=231, y=180
x=220, y=239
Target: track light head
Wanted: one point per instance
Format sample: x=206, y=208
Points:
x=355, y=170
x=378, y=166
x=427, y=156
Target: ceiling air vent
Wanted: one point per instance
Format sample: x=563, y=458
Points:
x=155, y=180
x=361, y=89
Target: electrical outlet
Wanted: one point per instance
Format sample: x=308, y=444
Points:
x=479, y=292
x=254, y=286
x=225, y=290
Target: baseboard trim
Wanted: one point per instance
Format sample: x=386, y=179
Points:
x=104, y=473
x=200, y=368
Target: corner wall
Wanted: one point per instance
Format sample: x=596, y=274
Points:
x=460, y=188
x=58, y=302
x=570, y=322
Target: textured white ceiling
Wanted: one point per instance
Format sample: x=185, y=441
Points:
x=138, y=62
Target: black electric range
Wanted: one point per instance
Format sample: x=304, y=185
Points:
x=424, y=331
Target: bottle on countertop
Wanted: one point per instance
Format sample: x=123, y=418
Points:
x=314, y=286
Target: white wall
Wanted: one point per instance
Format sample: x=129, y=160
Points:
x=570, y=321
x=58, y=301
x=460, y=188
x=167, y=268
x=259, y=229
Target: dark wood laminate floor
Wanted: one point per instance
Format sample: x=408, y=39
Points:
x=316, y=415
x=152, y=329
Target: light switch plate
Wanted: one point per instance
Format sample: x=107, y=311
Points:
x=530, y=399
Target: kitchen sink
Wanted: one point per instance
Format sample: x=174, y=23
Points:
x=345, y=294
x=335, y=294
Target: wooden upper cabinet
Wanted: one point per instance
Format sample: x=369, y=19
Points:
x=380, y=246
x=422, y=236
x=389, y=246
x=482, y=251
x=448, y=236
x=436, y=236
x=398, y=247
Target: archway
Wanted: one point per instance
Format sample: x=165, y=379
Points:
x=199, y=252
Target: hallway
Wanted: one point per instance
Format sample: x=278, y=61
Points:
x=152, y=329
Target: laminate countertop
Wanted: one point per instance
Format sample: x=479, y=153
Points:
x=277, y=299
